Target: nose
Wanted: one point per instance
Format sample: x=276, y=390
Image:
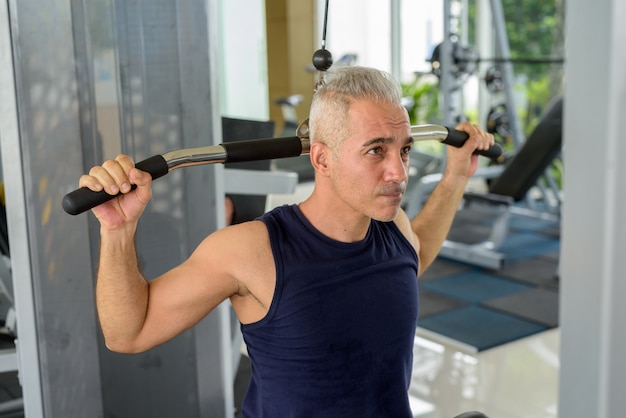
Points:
x=397, y=169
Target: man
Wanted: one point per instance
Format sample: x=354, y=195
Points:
x=326, y=291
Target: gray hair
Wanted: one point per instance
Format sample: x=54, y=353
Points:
x=342, y=86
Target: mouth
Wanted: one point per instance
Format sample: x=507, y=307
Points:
x=394, y=196
x=395, y=193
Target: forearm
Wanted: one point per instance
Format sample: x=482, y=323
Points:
x=433, y=222
x=121, y=290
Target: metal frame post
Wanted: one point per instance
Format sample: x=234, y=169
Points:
x=502, y=47
x=10, y=150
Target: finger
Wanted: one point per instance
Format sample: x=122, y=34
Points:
x=474, y=135
x=466, y=127
x=143, y=181
x=99, y=178
x=127, y=165
x=490, y=139
x=477, y=137
x=487, y=140
x=112, y=176
x=484, y=139
x=90, y=182
x=140, y=178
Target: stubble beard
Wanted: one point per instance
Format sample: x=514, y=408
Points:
x=395, y=193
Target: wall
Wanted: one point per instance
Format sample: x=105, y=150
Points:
x=243, y=59
x=291, y=44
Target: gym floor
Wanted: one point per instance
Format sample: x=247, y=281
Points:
x=515, y=380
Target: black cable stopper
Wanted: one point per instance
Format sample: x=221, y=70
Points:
x=322, y=59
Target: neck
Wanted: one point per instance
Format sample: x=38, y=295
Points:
x=334, y=219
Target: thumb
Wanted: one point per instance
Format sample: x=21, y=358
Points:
x=140, y=178
x=143, y=181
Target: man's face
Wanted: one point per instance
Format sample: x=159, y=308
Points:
x=371, y=169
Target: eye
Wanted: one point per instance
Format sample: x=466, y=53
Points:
x=375, y=151
x=405, y=153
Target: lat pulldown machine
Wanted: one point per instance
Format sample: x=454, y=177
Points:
x=83, y=199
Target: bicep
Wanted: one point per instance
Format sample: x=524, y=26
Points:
x=180, y=298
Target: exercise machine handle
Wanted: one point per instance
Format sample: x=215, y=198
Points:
x=265, y=149
x=452, y=137
x=83, y=199
x=458, y=138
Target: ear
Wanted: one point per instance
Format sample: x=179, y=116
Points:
x=320, y=157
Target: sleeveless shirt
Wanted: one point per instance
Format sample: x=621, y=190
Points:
x=338, y=338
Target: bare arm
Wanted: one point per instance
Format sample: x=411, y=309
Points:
x=122, y=293
x=135, y=314
x=432, y=223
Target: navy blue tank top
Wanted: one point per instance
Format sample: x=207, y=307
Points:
x=338, y=338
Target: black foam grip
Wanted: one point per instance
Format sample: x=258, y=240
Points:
x=83, y=199
x=458, y=138
x=262, y=149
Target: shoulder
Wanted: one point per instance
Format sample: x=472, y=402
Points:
x=225, y=250
x=239, y=252
x=235, y=262
x=403, y=223
x=244, y=238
